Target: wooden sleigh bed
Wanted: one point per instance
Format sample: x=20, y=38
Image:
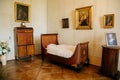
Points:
x=78, y=59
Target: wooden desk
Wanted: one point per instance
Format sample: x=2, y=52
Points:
x=110, y=55
x=24, y=43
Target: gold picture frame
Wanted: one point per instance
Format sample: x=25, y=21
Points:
x=109, y=21
x=21, y=12
x=84, y=18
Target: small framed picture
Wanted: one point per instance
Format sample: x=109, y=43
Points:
x=21, y=12
x=109, y=21
x=84, y=17
x=111, y=39
x=65, y=23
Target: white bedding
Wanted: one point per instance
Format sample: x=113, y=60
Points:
x=65, y=51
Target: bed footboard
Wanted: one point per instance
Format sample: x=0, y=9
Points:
x=81, y=54
x=84, y=53
x=83, y=58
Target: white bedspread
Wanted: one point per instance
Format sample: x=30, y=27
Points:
x=65, y=51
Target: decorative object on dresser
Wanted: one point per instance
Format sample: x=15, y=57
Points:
x=24, y=45
x=22, y=24
x=109, y=65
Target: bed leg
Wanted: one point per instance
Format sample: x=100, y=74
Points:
x=87, y=62
x=42, y=58
x=78, y=68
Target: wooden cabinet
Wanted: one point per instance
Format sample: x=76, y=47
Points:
x=24, y=45
x=110, y=56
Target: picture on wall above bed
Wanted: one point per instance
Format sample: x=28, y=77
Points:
x=65, y=23
x=109, y=21
x=21, y=12
x=111, y=39
x=84, y=18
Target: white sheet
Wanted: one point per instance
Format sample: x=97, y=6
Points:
x=65, y=51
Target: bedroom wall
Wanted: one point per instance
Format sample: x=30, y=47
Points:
x=58, y=9
x=38, y=20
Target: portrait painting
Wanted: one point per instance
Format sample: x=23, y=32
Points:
x=109, y=21
x=21, y=12
x=83, y=18
x=111, y=39
x=65, y=23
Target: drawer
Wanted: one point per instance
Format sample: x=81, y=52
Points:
x=25, y=30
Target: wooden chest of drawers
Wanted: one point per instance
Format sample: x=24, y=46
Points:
x=24, y=45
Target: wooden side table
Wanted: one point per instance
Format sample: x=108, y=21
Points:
x=110, y=55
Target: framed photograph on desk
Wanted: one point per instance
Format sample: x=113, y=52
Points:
x=111, y=39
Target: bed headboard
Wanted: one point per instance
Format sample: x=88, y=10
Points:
x=48, y=39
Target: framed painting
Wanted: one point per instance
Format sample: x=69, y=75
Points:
x=109, y=21
x=111, y=39
x=21, y=12
x=84, y=17
x=65, y=23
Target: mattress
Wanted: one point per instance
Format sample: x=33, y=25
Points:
x=63, y=50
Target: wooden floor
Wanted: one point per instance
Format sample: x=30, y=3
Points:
x=38, y=70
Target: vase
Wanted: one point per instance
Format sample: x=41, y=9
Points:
x=3, y=60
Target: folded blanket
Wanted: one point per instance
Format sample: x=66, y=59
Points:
x=65, y=51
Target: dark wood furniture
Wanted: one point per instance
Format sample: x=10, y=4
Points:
x=24, y=45
x=79, y=58
x=110, y=56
